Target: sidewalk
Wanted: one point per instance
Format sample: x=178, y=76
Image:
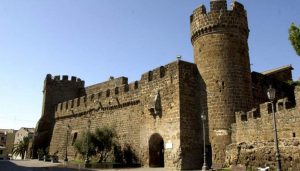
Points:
x=34, y=163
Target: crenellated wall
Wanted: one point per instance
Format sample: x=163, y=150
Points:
x=219, y=19
x=56, y=90
x=159, y=116
x=137, y=114
x=253, y=135
x=257, y=124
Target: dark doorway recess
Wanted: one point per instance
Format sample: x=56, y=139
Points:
x=156, y=151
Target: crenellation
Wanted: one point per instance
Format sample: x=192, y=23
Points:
x=154, y=74
x=70, y=104
x=218, y=5
x=165, y=107
x=73, y=78
x=250, y=114
x=48, y=77
x=65, y=78
x=238, y=7
x=76, y=102
x=282, y=105
x=200, y=10
x=219, y=19
x=57, y=78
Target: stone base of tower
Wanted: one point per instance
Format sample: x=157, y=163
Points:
x=220, y=139
x=262, y=154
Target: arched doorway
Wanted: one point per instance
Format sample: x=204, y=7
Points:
x=156, y=151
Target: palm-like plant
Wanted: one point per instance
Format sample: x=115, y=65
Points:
x=21, y=148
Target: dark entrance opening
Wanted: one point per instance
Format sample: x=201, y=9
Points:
x=208, y=155
x=156, y=151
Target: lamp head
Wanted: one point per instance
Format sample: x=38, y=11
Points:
x=203, y=117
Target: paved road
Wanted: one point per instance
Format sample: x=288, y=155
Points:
x=35, y=165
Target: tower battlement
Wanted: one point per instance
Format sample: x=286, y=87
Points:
x=219, y=19
x=63, y=79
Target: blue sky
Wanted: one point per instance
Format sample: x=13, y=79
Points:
x=95, y=39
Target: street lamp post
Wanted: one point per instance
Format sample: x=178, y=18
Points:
x=271, y=96
x=67, y=142
x=87, y=160
x=203, y=118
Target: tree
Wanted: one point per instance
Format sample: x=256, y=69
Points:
x=84, y=144
x=104, y=140
x=99, y=143
x=21, y=148
x=294, y=37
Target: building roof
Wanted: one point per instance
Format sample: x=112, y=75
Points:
x=29, y=130
x=275, y=70
x=7, y=130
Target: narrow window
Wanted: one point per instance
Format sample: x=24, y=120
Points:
x=92, y=97
x=117, y=90
x=74, y=138
x=294, y=134
x=136, y=84
x=162, y=71
x=150, y=76
x=78, y=101
x=107, y=93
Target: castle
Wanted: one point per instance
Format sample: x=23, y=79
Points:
x=159, y=116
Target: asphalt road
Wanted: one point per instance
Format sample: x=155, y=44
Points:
x=35, y=165
x=6, y=165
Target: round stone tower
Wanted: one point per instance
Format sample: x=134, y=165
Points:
x=220, y=41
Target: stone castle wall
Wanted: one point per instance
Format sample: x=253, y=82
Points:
x=56, y=90
x=129, y=109
x=220, y=41
x=191, y=137
x=260, y=84
x=253, y=135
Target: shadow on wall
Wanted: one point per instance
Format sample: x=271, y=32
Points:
x=193, y=102
x=126, y=156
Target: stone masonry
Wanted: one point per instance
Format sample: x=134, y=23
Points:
x=159, y=116
x=253, y=135
x=220, y=40
x=129, y=109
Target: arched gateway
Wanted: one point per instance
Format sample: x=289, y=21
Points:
x=156, y=151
